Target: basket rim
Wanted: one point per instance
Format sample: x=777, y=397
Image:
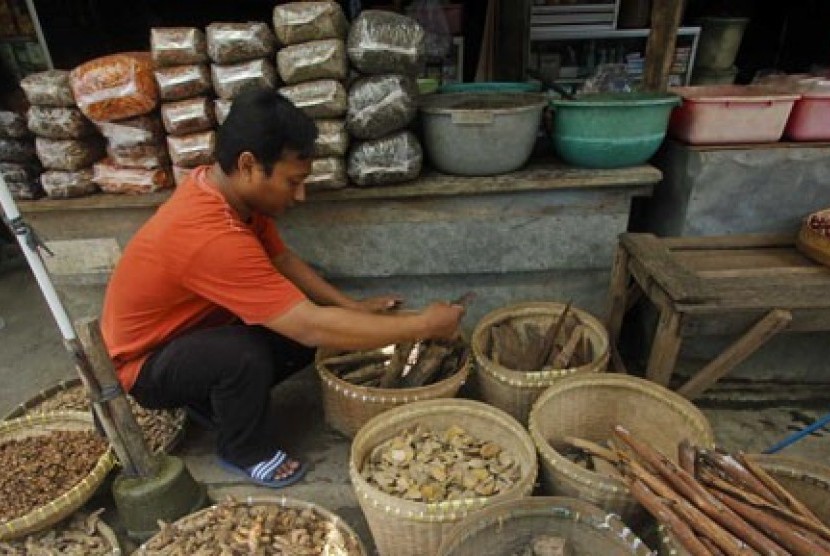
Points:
x=72, y=499
x=270, y=500
x=533, y=379
x=449, y=510
x=585, y=477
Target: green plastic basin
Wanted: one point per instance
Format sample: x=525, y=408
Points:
x=492, y=87
x=611, y=130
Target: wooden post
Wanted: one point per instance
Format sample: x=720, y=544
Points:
x=618, y=294
x=665, y=20
x=665, y=347
x=114, y=412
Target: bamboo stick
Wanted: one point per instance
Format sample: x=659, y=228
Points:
x=550, y=338
x=366, y=374
x=732, y=469
x=687, y=456
x=712, y=547
x=563, y=358
x=592, y=448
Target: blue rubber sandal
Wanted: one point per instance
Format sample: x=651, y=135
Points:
x=258, y=473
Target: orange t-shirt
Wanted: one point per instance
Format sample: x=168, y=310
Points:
x=194, y=262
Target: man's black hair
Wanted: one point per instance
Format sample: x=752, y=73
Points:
x=266, y=124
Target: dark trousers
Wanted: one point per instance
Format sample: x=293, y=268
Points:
x=228, y=372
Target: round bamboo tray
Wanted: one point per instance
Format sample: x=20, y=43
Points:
x=813, y=244
x=187, y=522
x=515, y=391
x=809, y=482
x=347, y=406
x=65, y=504
x=30, y=406
x=508, y=527
x=589, y=407
x=408, y=528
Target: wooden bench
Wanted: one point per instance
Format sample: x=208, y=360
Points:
x=758, y=285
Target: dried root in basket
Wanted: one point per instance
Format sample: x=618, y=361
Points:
x=259, y=529
x=434, y=466
x=79, y=536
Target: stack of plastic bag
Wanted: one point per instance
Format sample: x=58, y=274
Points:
x=180, y=57
x=313, y=64
x=388, y=51
x=119, y=93
x=18, y=162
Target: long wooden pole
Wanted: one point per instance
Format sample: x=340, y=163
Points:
x=665, y=21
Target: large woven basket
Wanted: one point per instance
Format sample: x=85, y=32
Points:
x=515, y=391
x=509, y=527
x=809, y=482
x=812, y=243
x=408, y=528
x=347, y=406
x=589, y=407
x=190, y=521
x=167, y=446
x=65, y=504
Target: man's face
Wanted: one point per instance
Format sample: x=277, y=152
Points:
x=275, y=193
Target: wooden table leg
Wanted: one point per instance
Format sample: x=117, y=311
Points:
x=617, y=294
x=665, y=348
x=764, y=330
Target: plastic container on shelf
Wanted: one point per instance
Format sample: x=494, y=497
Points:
x=729, y=114
x=810, y=117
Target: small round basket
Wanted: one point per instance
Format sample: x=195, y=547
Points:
x=589, y=407
x=193, y=523
x=509, y=527
x=809, y=482
x=169, y=436
x=68, y=502
x=410, y=528
x=347, y=406
x=515, y=391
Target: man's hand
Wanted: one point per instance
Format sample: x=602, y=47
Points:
x=442, y=320
x=377, y=304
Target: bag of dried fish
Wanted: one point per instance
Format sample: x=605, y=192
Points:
x=221, y=108
x=393, y=159
x=143, y=130
x=386, y=42
x=17, y=150
x=228, y=43
x=115, y=87
x=332, y=138
x=139, y=156
x=69, y=154
x=13, y=125
x=188, y=116
x=66, y=185
x=379, y=105
x=48, y=88
x=180, y=82
x=177, y=46
x=192, y=150
x=326, y=98
x=82, y=535
x=325, y=59
x=57, y=122
x=131, y=181
x=299, y=22
x=327, y=173
x=230, y=80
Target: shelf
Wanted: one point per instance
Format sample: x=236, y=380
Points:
x=554, y=34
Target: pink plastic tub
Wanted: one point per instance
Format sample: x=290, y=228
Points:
x=729, y=114
x=810, y=118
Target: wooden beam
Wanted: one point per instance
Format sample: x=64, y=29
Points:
x=665, y=20
x=617, y=294
x=665, y=347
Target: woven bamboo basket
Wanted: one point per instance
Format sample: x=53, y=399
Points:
x=508, y=527
x=347, y=406
x=589, y=407
x=167, y=446
x=281, y=501
x=408, y=528
x=515, y=391
x=809, y=482
x=65, y=504
x=812, y=243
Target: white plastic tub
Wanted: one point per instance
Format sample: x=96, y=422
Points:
x=723, y=115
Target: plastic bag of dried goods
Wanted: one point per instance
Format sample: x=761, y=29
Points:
x=192, y=150
x=327, y=173
x=221, y=107
x=188, y=116
x=14, y=171
x=381, y=104
x=57, y=122
x=25, y=190
x=313, y=60
x=115, y=87
x=298, y=22
x=116, y=179
x=17, y=150
x=69, y=154
x=142, y=130
x=180, y=174
x=13, y=125
x=393, y=159
x=180, y=82
x=332, y=138
x=65, y=185
x=386, y=42
x=229, y=43
x=230, y=80
x=139, y=156
x=319, y=99
x=48, y=88
x=177, y=46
